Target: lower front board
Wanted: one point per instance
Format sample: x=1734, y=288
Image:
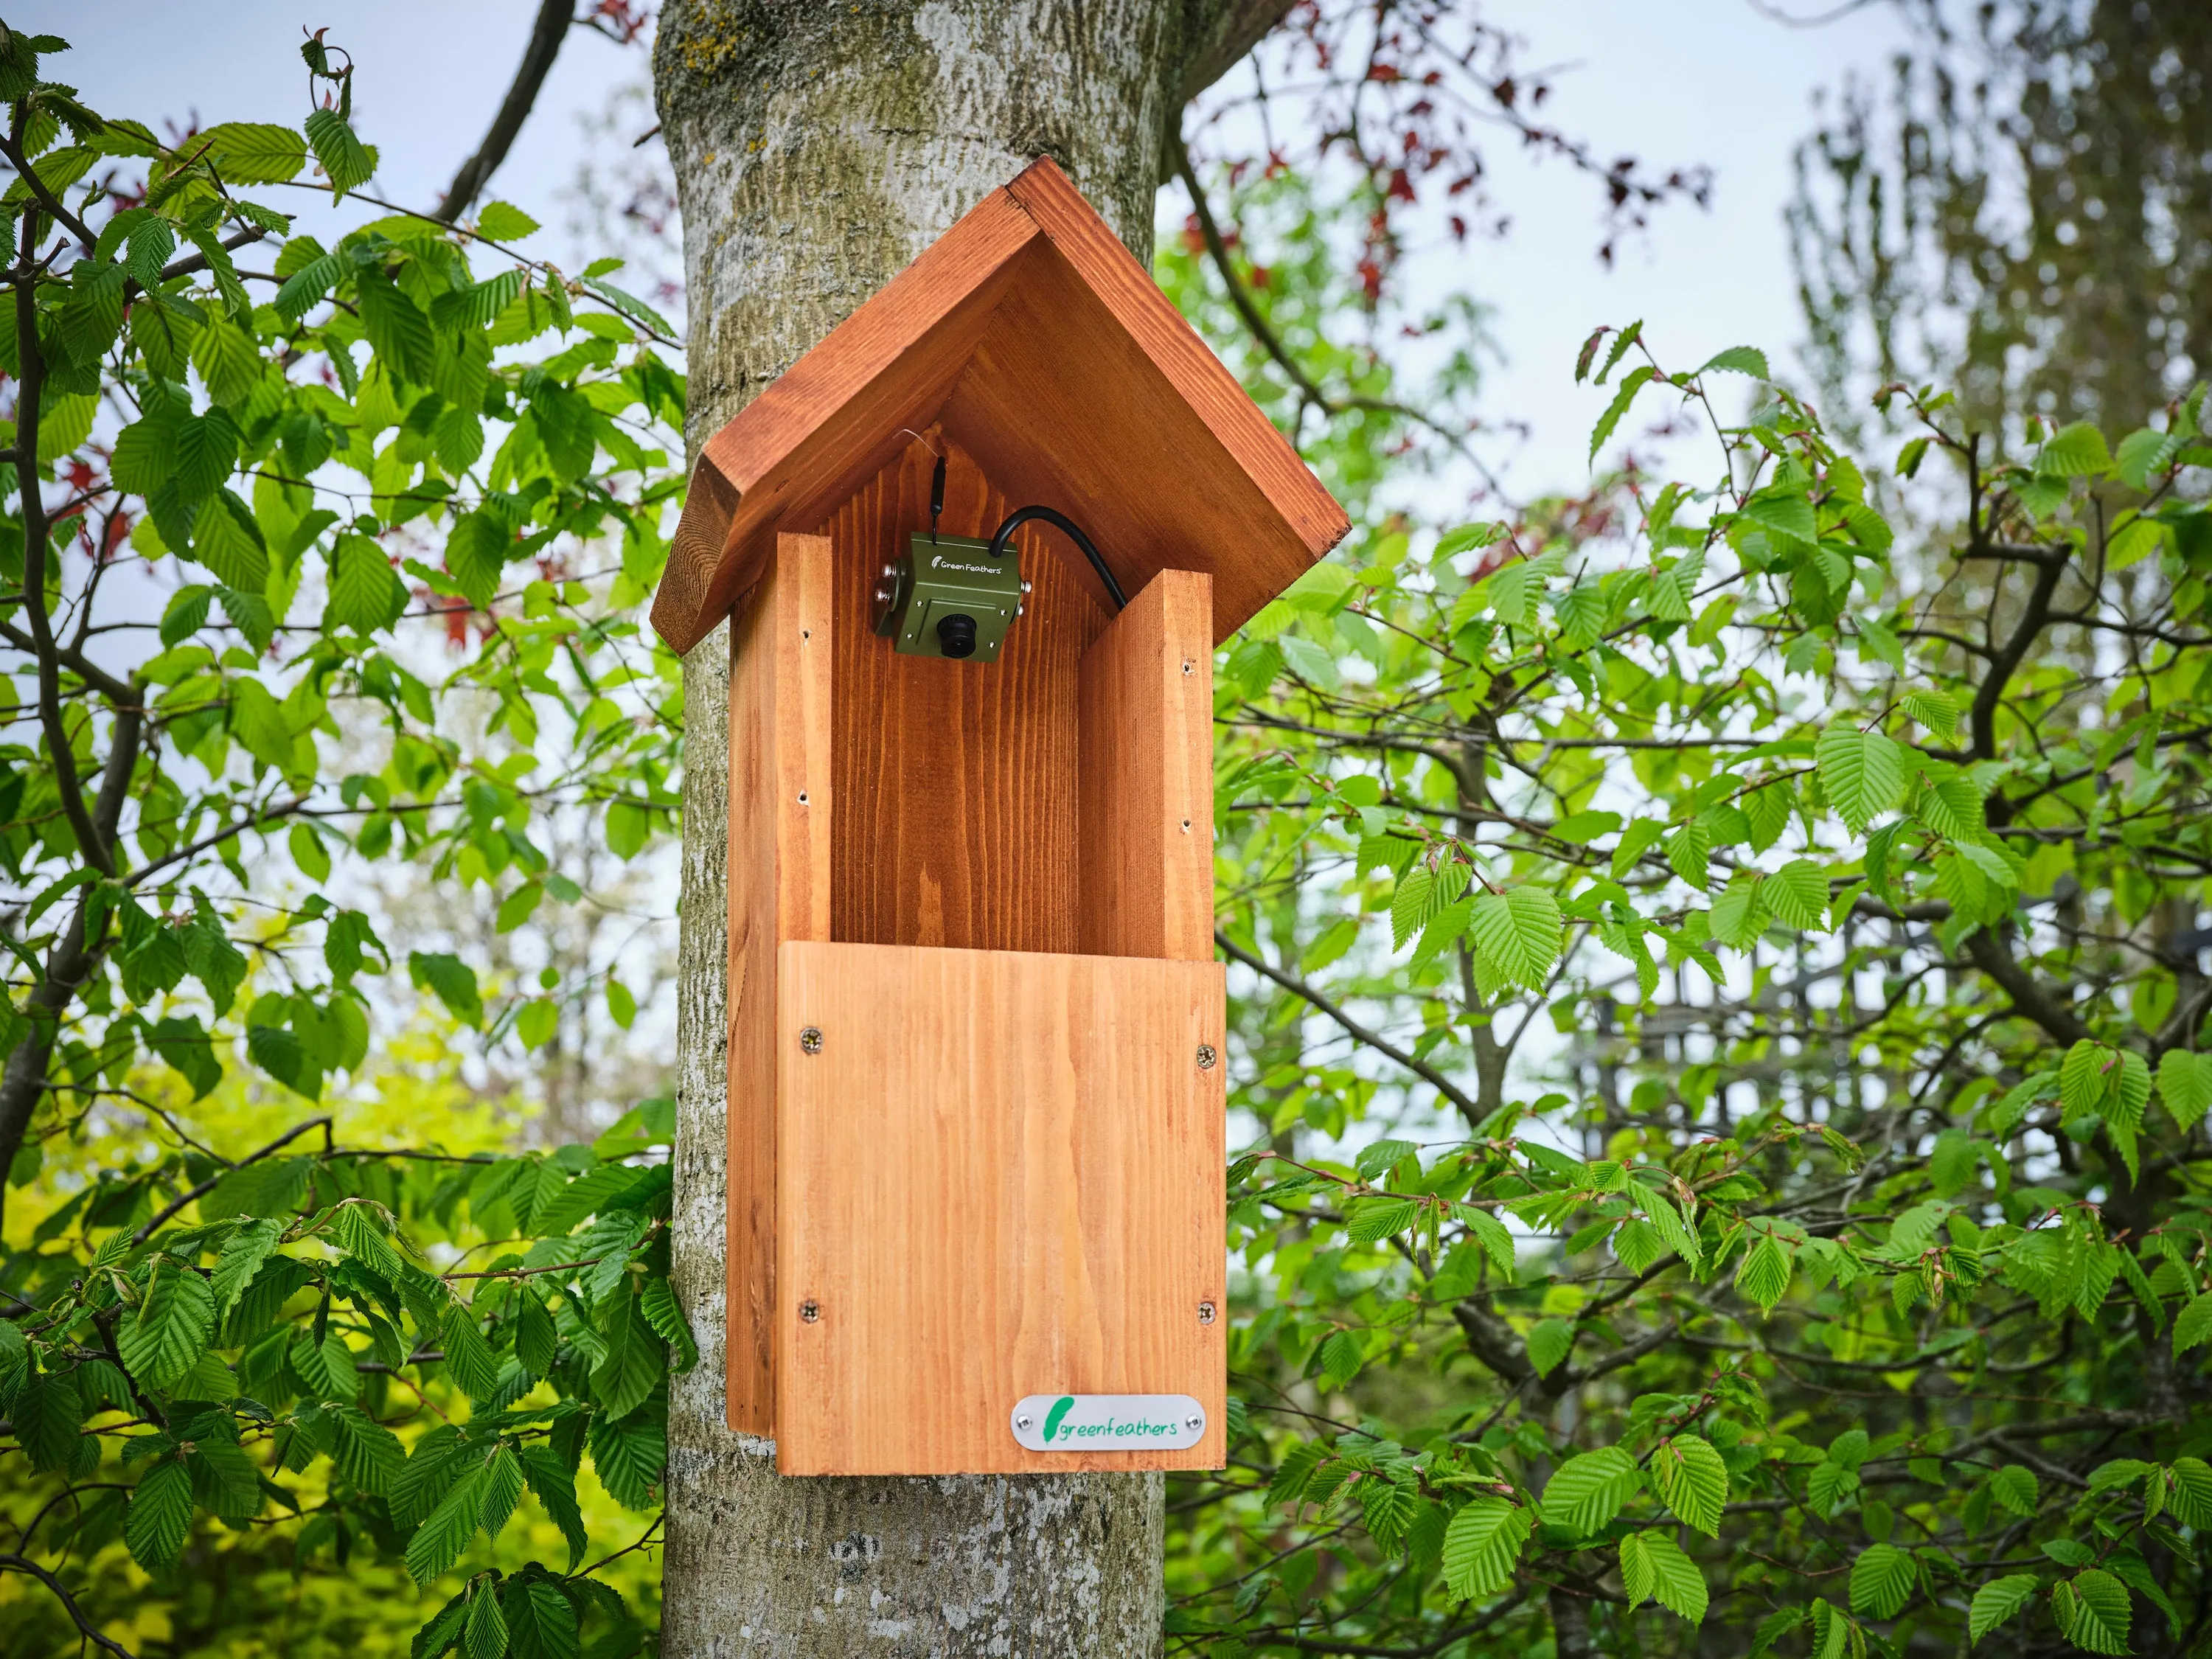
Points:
x=998, y=1178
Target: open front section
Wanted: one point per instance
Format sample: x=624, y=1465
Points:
x=1025, y=803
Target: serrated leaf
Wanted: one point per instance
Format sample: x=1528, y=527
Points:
x=2075, y=451
x=1997, y=1600
x=241, y=1259
x=541, y=1623
x=1863, y=773
x=1549, y=1342
x=2014, y=1487
x=1587, y=1491
x=1481, y=1546
x=1764, y=1274
x=554, y=1488
x=1740, y=360
x=1654, y=1568
x=445, y=1533
x=160, y=1342
x=468, y=1355
x=2092, y=1611
x=502, y=221
x=346, y=162
x=2184, y=1083
x=484, y=1634
x=367, y=1453
x=1692, y=1481
x=2193, y=1324
x=1518, y=933
x=161, y=1514
x=1797, y=894
x=1935, y=710
x=629, y=1456
x=1631, y=383
x=1882, y=1581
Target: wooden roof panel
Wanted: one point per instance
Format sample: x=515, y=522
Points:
x=1050, y=354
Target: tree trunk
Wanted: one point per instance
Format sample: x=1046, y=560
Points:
x=817, y=149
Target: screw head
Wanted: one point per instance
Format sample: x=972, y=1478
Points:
x=810, y=1310
x=891, y=570
x=1025, y=584
x=1024, y=1420
x=1206, y=1056
x=809, y=1040
x=1193, y=1423
x=1205, y=1312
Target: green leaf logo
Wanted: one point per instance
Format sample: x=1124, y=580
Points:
x=1061, y=1408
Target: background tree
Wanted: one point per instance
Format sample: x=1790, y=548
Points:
x=2026, y=210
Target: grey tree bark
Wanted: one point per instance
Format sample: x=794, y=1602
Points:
x=818, y=147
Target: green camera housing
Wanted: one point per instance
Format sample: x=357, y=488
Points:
x=948, y=597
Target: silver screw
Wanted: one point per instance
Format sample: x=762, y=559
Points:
x=891, y=570
x=1206, y=1056
x=1193, y=1423
x=809, y=1040
x=1019, y=608
x=1025, y=584
x=1024, y=1421
x=1206, y=1312
x=810, y=1310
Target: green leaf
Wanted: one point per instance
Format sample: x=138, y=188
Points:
x=1654, y=1568
x=160, y=1342
x=2184, y=1083
x=483, y=1635
x=629, y=1456
x=1997, y=1600
x=2015, y=1488
x=453, y=981
x=500, y=1487
x=1692, y=1481
x=1740, y=360
x=2189, y=1495
x=365, y=593
x=395, y=325
x=2092, y=1611
x=634, y=1360
x=1882, y=1581
x=1587, y=1491
x=365, y=1452
x=1797, y=894
x=554, y=1488
x=1764, y=1274
x=541, y=1623
x=161, y=1514
x=253, y=152
x=1861, y=772
x=1518, y=933
x=346, y=162
x=1935, y=710
x=241, y=1259
x=504, y=222
x=2075, y=451
x=228, y=541
x=1783, y=510
x=1634, y=382
x=326, y=1368
x=536, y=1340
x=2193, y=1324
x=1481, y=1546
x=468, y=1355
x=1549, y=1342
x=438, y=1542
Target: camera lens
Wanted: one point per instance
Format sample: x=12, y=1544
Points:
x=955, y=635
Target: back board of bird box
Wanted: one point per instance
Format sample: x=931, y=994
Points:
x=975, y=1023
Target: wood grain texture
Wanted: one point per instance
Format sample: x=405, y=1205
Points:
x=1000, y=1176
x=1145, y=719
x=1050, y=355
x=956, y=783
x=779, y=889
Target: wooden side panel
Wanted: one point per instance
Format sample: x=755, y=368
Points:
x=825, y=424
x=779, y=889
x=1145, y=715
x=1000, y=1176
x=956, y=783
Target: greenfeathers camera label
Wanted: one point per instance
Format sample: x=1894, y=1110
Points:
x=1109, y=1422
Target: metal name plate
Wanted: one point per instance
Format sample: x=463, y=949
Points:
x=1109, y=1422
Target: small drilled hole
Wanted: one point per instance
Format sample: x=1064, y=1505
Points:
x=802, y=800
x=1186, y=826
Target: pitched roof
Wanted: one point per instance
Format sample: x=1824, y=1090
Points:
x=1050, y=355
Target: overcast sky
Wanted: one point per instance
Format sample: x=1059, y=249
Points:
x=1670, y=81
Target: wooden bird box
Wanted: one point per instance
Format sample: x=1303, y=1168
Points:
x=975, y=1106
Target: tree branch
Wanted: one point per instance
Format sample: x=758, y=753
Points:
x=2038, y=1001
x=90, y=1630
x=210, y=1183
x=1374, y=1039
x=552, y=27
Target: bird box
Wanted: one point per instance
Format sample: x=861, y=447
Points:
x=975, y=1023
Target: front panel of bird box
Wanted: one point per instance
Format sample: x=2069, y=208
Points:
x=975, y=1115
x=998, y=1176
